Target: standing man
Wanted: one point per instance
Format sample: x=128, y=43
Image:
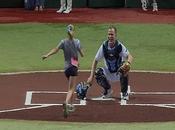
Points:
x=145, y=5
x=71, y=47
x=117, y=61
x=66, y=6
x=39, y=5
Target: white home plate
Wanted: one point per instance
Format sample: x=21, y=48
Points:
x=102, y=99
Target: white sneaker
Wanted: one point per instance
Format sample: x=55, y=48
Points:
x=123, y=102
x=155, y=10
x=109, y=93
x=144, y=9
x=144, y=5
x=67, y=11
x=106, y=97
x=61, y=10
x=124, y=96
x=155, y=7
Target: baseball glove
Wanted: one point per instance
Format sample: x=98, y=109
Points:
x=81, y=89
x=124, y=68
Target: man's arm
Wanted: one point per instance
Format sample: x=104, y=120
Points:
x=130, y=58
x=94, y=66
x=97, y=58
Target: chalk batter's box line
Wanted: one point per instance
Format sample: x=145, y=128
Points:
x=28, y=100
x=168, y=105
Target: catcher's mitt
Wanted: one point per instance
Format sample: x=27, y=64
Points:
x=125, y=68
x=81, y=89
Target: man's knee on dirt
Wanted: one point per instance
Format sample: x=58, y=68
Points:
x=101, y=80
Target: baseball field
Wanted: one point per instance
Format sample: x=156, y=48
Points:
x=25, y=36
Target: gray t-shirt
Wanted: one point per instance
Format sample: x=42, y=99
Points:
x=70, y=49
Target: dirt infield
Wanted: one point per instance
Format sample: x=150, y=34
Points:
x=152, y=108
x=88, y=15
x=38, y=96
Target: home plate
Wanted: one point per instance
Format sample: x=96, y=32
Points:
x=102, y=99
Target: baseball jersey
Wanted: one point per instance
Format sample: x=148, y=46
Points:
x=100, y=54
x=70, y=49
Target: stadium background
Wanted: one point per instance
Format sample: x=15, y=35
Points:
x=90, y=3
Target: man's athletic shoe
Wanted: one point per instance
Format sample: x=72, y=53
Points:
x=144, y=9
x=108, y=94
x=106, y=97
x=67, y=11
x=124, y=96
x=155, y=7
x=61, y=10
x=144, y=6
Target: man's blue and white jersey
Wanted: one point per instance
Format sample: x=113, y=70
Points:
x=112, y=56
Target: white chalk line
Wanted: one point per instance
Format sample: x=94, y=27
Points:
x=28, y=100
x=24, y=108
x=153, y=93
x=29, y=94
x=168, y=105
x=54, y=71
x=172, y=106
x=39, y=105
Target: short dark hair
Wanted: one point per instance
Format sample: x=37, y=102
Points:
x=113, y=27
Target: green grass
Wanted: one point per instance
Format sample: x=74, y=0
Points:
x=43, y=125
x=22, y=45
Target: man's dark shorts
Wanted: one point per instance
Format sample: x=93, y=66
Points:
x=71, y=71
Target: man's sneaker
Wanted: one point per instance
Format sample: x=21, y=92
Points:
x=71, y=108
x=65, y=110
x=155, y=10
x=36, y=8
x=124, y=96
x=109, y=93
x=107, y=96
x=67, y=11
x=144, y=6
x=155, y=7
x=61, y=10
x=144, y=9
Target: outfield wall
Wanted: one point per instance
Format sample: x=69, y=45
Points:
x=90, y=3
x=106, y=3
x=11, y=3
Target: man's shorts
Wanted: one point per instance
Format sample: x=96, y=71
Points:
x=71, y=71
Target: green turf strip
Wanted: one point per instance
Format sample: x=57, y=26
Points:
x=22, y=45
x=43, y=125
